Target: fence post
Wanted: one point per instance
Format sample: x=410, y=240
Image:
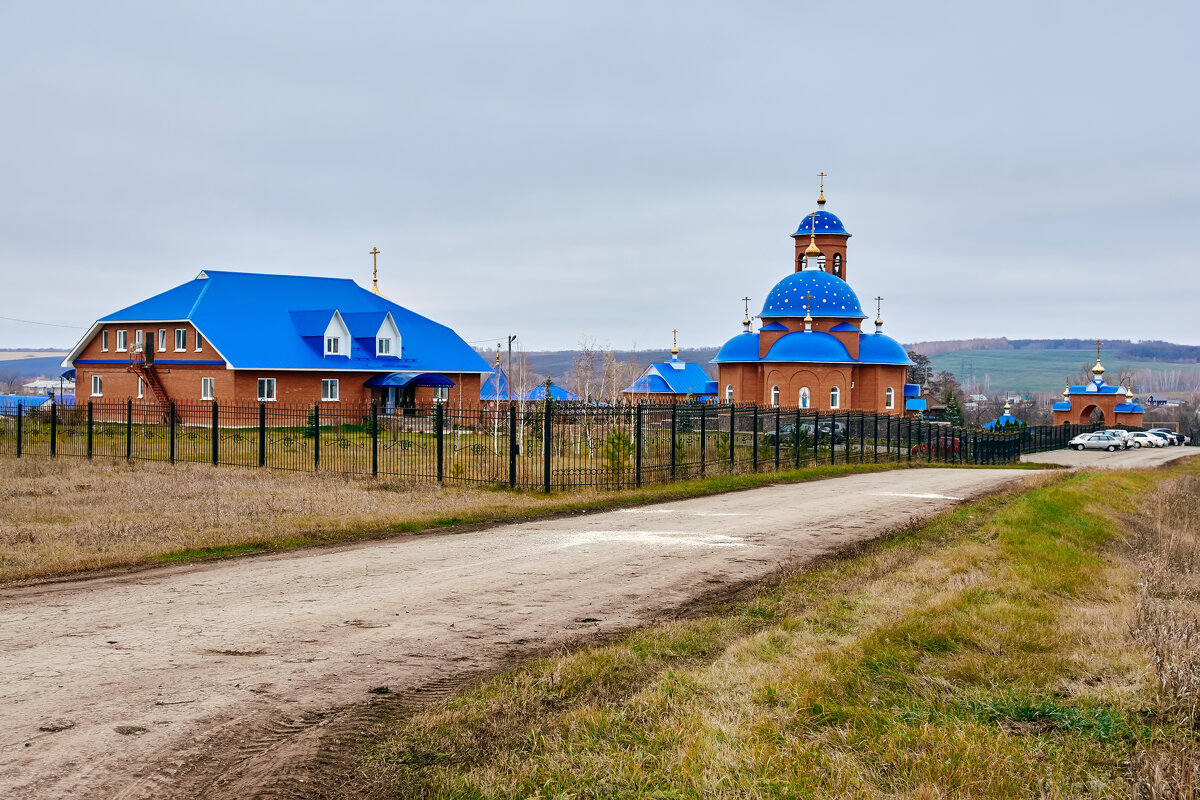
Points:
x=754, y=439
x=53, y=428
x=796, y=439
x=171, y=432
x=316, y=412
x=732, y=451
x=703, y=434
x=128, y=429
x=89, y=429
x=438, y=438
x=875, y=435
x=374, y=439
x=262, y=434
x=778, y=419
x=512, y=445
x=637, y=444
x=20, y=428
x=216, y=435
x=547, y=432
x=674, y=428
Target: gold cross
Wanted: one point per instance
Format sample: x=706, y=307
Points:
x=746, y=300
x=375, y=267
x=822, y=176
x=878, y=300
x=675, y=338
x=807, y=296
x=1097, y=350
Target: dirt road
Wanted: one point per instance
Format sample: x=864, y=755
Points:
x=214, y=681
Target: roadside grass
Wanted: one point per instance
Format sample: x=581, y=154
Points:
x=986, y=654
x=65, y=515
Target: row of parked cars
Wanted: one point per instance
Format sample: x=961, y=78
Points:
x=1117, y=439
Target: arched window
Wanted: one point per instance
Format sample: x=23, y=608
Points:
x=774, y=396
x=804, y=397
x=889, y=398
x=837, y=264
x=729, y=393
x=835, y=396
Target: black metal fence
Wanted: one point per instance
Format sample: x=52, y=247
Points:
x=546, y=446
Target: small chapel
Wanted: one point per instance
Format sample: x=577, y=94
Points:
x=811, y=351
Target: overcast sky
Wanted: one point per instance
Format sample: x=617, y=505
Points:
x=609, y=170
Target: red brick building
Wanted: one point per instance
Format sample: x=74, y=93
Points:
x=242, y=338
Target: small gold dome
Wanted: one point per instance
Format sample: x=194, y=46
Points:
x=1098, y=370
x=812, y=249
x=1129, y=393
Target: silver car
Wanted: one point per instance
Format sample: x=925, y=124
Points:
x=1095, y=441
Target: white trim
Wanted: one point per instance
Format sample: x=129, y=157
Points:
x=179, y=349
x=162, y=340
x=332, y=383
x=141, y=389
x=122, y=336
x=774, y=396
x=338, y=330
x=889, y=398
x=835, y=397
x=274, y=392
x=97, y=382
x=212, y=386
x=396, y=343
x=104, y=340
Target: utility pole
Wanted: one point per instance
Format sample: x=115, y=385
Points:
x=509, y=381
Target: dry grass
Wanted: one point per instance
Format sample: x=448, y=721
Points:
x=1167, y=623
x=986, y=655
x=59, y=516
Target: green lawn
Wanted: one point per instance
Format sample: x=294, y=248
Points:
x=1042, y=370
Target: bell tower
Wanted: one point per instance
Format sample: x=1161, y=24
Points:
x=823, y=231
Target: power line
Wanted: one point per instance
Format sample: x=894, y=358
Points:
x=47, y=324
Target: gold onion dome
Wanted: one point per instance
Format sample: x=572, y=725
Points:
x=812, y=249
x=1129, y=393
x=1098, y=370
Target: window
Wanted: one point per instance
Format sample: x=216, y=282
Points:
x=729, y=393
x=266, y=388
x=97, y=386
x=162, y=340
x=441, y=394
x=837, y=264
x=774, y=396
x=122, y=341
x=332, y=345
x=180, y=340
x=104, y=341
x=329, y=389
x=141, y=391
x=199, y=342
x=207, y=389
x=137, y=340
x=805, y=397
x=889, y=398
x=383, y=347
x=835, y=396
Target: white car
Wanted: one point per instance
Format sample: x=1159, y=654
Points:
x=1095, y=441
x=1143, y=439
x=1119, y=434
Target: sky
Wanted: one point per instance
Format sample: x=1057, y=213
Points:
x=607, y=171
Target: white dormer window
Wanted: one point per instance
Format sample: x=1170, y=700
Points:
x=387, y=338
x=337, y=337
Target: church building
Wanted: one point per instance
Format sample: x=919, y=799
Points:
x=811, y=351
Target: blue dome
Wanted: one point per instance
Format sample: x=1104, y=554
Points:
x=875, y=348
x=826, y=223
x=831, y=297
x=743, y=347
x=809, y=346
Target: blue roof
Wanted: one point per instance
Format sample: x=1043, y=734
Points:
x=258, y=321
x=914, y=405
x=845, y=327
x=875, y=348
x=826, y=223
x=743, y=347
x=912, y=390
x=9, y=402
x=674, y=377
x=831, y=297
x=496, y=386
x=1061, y=405
x=556, y=393
x=1005, y=420
x=398, y=379
x=773, y=326
x=1128, y=408
x=811, y=346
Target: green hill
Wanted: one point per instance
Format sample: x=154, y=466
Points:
x=1031, y=370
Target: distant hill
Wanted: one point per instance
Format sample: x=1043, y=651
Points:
x=1155, y=351
x=30, y=367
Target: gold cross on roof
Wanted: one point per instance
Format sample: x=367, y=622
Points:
x=375, y=268
x=821, y=196
x=878, y=300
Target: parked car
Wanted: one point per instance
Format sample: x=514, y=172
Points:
x=1166, y=436
x=1095, y=441
x=940, y=444
x=1173, y=436
x=787, y=433
x=1119, y=434
x=1143, y=439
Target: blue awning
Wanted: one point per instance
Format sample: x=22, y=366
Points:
x=405, y=378
x=914, y=405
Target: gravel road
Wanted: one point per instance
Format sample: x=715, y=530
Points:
x=216, y=680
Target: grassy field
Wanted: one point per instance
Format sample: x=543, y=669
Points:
x=1032, y=645
x=66, y=515
x=1042, y=370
